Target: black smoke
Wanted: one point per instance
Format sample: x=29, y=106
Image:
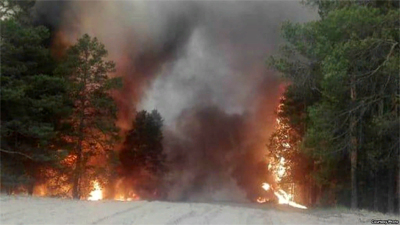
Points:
x=215, y=154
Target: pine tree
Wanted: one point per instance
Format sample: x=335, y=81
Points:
x=142, y=156
x=94, y=133
x=33, y=100
x=352, y=69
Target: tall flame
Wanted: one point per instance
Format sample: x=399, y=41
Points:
x=279, y=169
x=96, y=194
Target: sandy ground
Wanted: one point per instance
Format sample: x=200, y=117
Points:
x=32, y=210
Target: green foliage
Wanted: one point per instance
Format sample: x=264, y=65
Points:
x=89, y=86
x=93, y=130
x=19, y=10
x=142, y=156
x=354, y=47
x=33, y=102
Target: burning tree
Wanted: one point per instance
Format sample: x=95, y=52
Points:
x=93, y=129
x=288, y=161
x=142, y=156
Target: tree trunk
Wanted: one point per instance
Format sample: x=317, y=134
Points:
x=398, y=154
x=398, y=179
x=391, y=190
x=312, y=188
x=79, y=160
x=304, y=192
x=376, y=179
x=353, y=147
x=309, y=192
x=31, y=187
x=78, y=167
x=376, y=187
x=391, y=177
x=397, y=108
x=354, y=203
x=9, y=190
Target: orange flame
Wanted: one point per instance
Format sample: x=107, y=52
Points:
x=261, y=200
x=266, y=186
x=283, y=197
x=122, y=198
x=122, y=193
x=97, y=193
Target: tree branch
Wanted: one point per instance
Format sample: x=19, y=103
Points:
x=19, y=153
x=387, y=58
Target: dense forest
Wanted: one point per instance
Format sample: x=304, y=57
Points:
x=338, y=119
x=58, y=115
x=339, y=116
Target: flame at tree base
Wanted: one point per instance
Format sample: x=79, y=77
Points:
x=261, y=200
x=97, y=193
x=283, y=197
x=123, y=198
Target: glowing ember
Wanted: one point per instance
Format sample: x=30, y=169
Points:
x=97, y=193
x=261, y=200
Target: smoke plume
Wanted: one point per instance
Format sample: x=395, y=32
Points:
x=202, y=66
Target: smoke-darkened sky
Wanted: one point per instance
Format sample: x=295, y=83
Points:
x=202, y=66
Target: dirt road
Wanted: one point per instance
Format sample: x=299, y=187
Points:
x=26, y=210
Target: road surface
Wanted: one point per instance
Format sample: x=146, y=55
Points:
x=32, y=210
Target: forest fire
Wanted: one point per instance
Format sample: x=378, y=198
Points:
x=151, y=167
x=181, y=105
